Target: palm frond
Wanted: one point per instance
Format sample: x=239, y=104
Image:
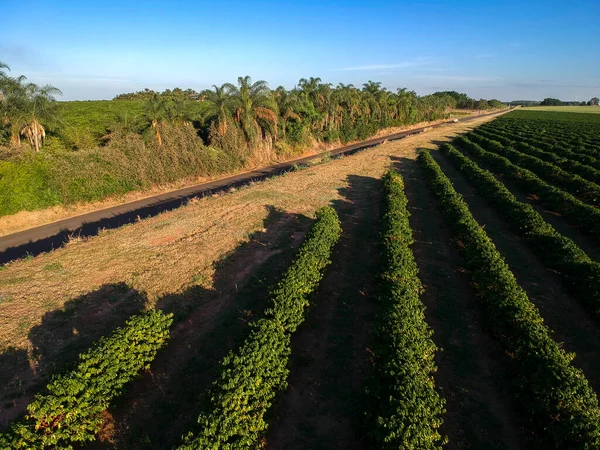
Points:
x=266, y=114
x=289, y=114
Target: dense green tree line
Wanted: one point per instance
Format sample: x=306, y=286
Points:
x=556, y=102
x=252, y=114
x=247, y=114
x=94, y=149
x=312, y=109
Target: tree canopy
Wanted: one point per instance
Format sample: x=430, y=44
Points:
x=246, y=113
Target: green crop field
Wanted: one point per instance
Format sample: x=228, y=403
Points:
x=453, y=303
x=574, y=109
x=531, y=177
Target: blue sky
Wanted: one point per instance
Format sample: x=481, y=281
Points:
x=492, y=49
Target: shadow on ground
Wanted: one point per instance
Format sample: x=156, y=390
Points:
x=323, y=406
x=164, y=402
x=59, y=339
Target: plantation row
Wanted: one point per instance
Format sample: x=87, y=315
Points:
x=560, y=406
x=574, y=211
x=70, y=411
x=407, y=410
x=253, y=375
x=564, y=159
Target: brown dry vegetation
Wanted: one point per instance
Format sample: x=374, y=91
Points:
x=166, y=254
x=29, y=219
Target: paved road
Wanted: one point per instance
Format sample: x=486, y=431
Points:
x=53, y=235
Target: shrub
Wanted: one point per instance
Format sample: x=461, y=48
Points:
x=70, y=410
x=560, y=406
x=406, y=408
x=25, y=183
x=252, y=376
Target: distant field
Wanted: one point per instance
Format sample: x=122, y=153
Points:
x=93, y=117
x=577, y=109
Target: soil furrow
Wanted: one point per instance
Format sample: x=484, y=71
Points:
x=323, y=405
x=570, y=323
x=471, y=373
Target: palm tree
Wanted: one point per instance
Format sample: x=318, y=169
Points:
x=13, y=105
x=155, y=110
x=179, y=110
x=372, y=87
x=4, y=81
x=350, y=99
x=38, y=104
x=318, y=95
x=286, y=103
x=3, y=78
x=310, y=88
x=2, y=73
x=255, y=109
x=407, y=103
x=220, y=106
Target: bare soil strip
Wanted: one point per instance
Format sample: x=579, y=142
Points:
x=471, y=375
x=322, y=407
x=571, y=324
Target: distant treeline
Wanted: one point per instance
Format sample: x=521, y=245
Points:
x=463, y=101
x=147, y=94
x=554, y=102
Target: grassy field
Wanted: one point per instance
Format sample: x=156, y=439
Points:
x=573, y=109
x=510, y=291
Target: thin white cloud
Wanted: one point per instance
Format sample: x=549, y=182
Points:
x=96, y=78
x=458, y=78
x=401, y=65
